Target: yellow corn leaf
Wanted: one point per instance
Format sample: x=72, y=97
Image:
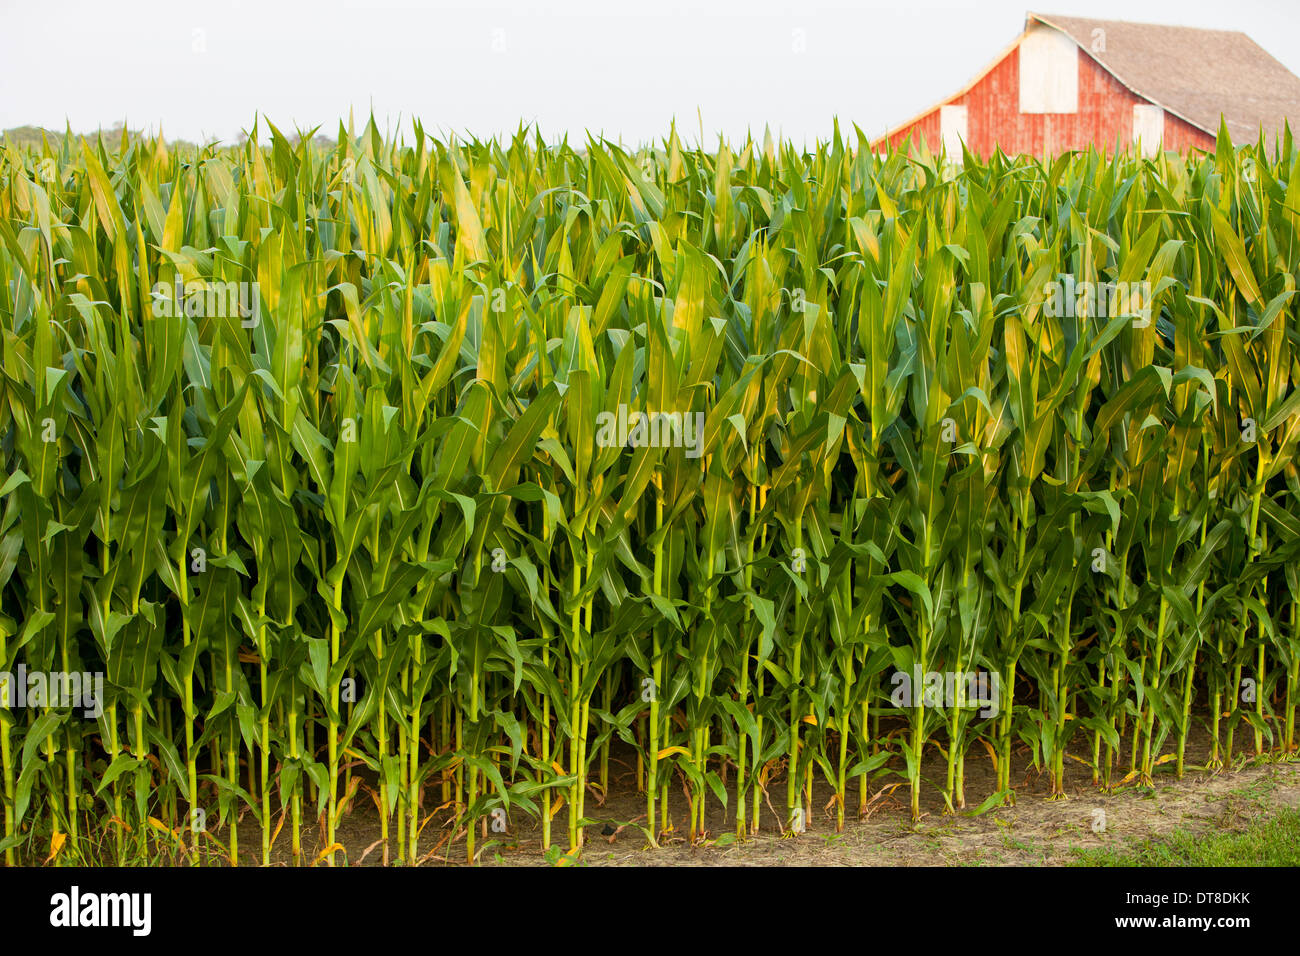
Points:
x=326, y=852
x=56, y=844
x=993, y=754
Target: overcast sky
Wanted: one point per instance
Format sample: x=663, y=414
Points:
x=203, y=70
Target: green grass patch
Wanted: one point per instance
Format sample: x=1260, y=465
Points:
x=1268, y=841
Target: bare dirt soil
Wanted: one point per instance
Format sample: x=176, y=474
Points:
x=1036, y=831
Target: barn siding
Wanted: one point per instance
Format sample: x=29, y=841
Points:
x=994, y=118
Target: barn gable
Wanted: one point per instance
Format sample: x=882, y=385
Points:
x=1194, y=74
x=1069, y=83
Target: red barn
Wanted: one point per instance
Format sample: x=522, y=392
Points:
x=1069, y=83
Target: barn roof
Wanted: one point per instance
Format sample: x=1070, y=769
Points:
x=1194, y=73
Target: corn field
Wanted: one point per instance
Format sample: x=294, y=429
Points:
x=363, y=533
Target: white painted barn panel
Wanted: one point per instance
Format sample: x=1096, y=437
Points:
x=952, y=129
x=1148, y=127
x=1049, y=72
